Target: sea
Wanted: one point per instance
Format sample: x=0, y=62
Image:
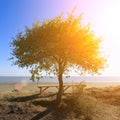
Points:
x=18, y=79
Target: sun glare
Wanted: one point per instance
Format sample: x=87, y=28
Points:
x=105, y=22
x=110, y=19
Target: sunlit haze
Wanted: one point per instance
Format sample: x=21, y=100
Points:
x=103, y=15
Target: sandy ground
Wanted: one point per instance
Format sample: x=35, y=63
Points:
x=102, y=84
x=101, y=102
x=12, y=86
x=33, y=86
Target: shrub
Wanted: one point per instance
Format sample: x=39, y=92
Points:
x=78, y=105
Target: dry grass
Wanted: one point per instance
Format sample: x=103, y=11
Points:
x=92, y=104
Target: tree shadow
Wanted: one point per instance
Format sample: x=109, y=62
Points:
x=51, y=105
x=25, y=98
x=41, y=114
x=45, y=103
x=30, y=97
x=53, y=112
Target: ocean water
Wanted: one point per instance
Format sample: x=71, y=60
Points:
x=18, y=79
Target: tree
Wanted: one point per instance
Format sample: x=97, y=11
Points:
x=57, y=45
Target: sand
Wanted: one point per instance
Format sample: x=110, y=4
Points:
x=12, y=86
x=33, y=86
x=28, y=104
x=102, y=84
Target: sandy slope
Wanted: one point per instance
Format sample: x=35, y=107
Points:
x=29, y=105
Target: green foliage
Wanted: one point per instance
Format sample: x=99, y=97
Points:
x=57, y=45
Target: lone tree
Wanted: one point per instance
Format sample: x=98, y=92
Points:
x=57, y=45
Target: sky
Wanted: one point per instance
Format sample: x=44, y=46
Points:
x=103, y=15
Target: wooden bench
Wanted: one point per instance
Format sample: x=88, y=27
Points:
x=44, y=87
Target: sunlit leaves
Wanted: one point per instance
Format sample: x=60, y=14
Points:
x=58, y=44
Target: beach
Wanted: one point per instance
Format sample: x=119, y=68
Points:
x=100, y=101
x=13, y=86
x=33, y=86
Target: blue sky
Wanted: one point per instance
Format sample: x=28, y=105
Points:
x=15, y=14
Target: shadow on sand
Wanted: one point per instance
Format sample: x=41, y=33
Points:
x=41, y=114
x=30, y=97
x=48, y=102
x=50, y=108
x=53, y=111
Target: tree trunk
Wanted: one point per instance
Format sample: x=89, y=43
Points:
x=60, y=92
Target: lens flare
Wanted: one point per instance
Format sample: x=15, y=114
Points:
x=24, y=83
x=18, y=86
